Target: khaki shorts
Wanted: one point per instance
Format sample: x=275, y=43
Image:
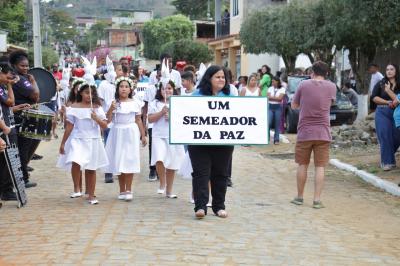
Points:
x=320, y=149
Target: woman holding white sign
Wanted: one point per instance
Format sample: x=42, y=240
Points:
x=211, y=163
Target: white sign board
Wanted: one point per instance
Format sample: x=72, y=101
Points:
x=218, y=120
x=141, y=88
x=3, y=42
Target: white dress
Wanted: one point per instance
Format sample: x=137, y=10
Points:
x=123, y=143
x=161, y=151
x=84, y=146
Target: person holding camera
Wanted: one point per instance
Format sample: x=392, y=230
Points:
x=387, y=133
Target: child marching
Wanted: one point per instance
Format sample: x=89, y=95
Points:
x=85, y=150
x=167, y=158
x=126, y=132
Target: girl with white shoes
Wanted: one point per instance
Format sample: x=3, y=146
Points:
x=126, y=131
x=167, y=158
x=84, y=149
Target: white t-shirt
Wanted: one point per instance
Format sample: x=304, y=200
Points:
x=276, y=92
x=161, y=126
x=234, y=90
x=375, y=78
x=106, y=92
x=184, y=93
x=149, y=97
x=175, y=77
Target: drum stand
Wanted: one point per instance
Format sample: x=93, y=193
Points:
x=13, y=162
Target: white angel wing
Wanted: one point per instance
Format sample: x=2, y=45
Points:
x=93, y=68
x=165, y=75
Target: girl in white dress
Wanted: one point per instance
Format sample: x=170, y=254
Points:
x=85, y=150
x=167, y=158
x=126, y=131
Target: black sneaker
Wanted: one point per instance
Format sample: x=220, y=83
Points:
x=108, y=178
x=29, y=169
x=37, y=157
x=30, y=184
x=152, y=175
x=229, y=182
x=10, y=195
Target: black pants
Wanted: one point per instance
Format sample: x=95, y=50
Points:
x=152, y=167
x=210, y=163
x=26, y=148
x=6, y=184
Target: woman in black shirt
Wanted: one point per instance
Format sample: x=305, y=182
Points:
x=388, y=135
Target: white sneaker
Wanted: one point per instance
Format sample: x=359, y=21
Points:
x=172, y=196
x=160, y=191
x=128, y=196
x=191, y=199
x=76, y=195
x=122, y=196
x=209, y=204
x=93, y=202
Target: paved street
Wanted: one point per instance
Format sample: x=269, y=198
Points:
x=360, y=226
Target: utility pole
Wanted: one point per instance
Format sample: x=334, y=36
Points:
x=208, y=10
x=37, y=40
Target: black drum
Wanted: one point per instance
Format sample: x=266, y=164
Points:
x=46, y=82
x=36, y=123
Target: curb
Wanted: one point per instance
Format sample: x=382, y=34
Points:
x=367, y=177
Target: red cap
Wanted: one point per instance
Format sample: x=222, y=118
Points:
x=180, y=64
x=79, y=72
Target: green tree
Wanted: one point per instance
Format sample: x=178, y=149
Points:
x=49, y=56
x=157, y=32
x=188, y=50
x=266, y=32
x=62, y=25
x=315, y=28
x=195, y=9
x=363, y=27
x=12, y=20
x=95, y=33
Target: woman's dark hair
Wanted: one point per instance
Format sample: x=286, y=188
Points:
x=17, y=56
x=72, y=97
x=95, y=97
x=245, y=78
x=277, y=79
x=125, y=69
x=396, y=77
x=268, y=69
x=5, y=67
x=159, y=95
x=117, y=90
x=205, y=83
x=135, y=70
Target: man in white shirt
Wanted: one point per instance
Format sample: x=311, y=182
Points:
x=149, y=96
x=175, y=75
x=376, y=76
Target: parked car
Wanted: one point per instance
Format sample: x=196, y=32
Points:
x=342, y=111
